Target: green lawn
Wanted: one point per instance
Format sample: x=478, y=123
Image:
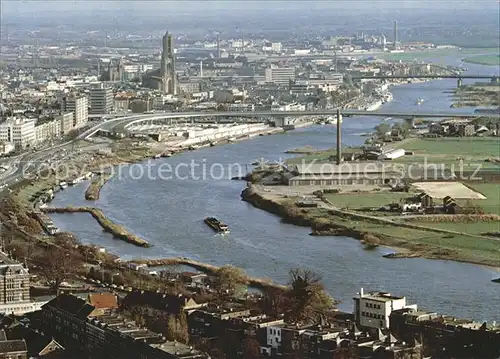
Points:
x=466, y=147
x=464, y=227
x=361, y=200
x=492, y=193
x=466, y=248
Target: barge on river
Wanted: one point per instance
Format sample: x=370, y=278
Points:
x=216, y=225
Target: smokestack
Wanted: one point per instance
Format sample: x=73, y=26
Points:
x=201, y=68
x=339, y=137
x=218, y=47
x=362, y=292
x=395, y=34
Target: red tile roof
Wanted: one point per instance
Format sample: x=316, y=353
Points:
x=103, y=300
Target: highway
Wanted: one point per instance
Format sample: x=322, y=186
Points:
x=120, y=125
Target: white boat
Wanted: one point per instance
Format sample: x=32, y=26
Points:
x=63, y=184
x=420, y=101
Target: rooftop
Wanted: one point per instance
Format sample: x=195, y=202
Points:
x=179, y=349
x=379, y=296
x=103, y=300
x=344, y=168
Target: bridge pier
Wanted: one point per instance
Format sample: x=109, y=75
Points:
x=459, y=82
x=339, y=137
x=410, y=121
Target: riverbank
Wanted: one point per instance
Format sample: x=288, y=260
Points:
x=109, y=226
x=93, y=190
x=477, y=95
x=486, y=60
x=418, y=241
x=254, y=282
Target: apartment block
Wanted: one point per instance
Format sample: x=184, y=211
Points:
x=66, y=121
x=78, y=105
x=47, y=130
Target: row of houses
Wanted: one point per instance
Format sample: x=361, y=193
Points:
x=462, y=128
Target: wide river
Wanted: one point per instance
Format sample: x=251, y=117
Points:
x=169, y=214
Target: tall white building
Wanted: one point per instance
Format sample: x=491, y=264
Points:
x=20, y=132
x=101, y=100
x=280, y=75
x=372, y=310
x=47, y=130
x=79, y=106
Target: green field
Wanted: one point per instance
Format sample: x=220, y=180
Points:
x=492, y=193
x=489, y=60
x=362, y=200
x=462, y=247
x=464, y=227
x=466, y=147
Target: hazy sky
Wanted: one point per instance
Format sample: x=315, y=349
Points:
x=73, y=7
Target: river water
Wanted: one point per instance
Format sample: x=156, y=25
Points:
x=169, y=214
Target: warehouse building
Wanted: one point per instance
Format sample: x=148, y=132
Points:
x=331, y=174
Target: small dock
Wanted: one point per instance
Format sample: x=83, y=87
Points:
x=46, y=222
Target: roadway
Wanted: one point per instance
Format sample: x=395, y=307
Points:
x=120, y=125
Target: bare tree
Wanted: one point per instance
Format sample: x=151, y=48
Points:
x=308, y=298
x=59, y=265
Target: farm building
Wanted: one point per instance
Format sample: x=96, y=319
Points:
x=391, y=154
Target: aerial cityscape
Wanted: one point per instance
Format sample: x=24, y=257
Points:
x=256, y=179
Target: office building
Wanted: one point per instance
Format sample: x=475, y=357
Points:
x=372, y=310
x=164, y=79
x=101, y=100
x=79, y=106
x=280, y=75
x=19, y=131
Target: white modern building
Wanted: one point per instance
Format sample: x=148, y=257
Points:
x=101, y=100
x=280, y=75
x=66, y=121
x=47, y=130
x=79, y=106
x=372, y=310
x=19, y=131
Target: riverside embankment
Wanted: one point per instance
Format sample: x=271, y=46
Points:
x=206, y=268
x=370, y=230
x=109, y=226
